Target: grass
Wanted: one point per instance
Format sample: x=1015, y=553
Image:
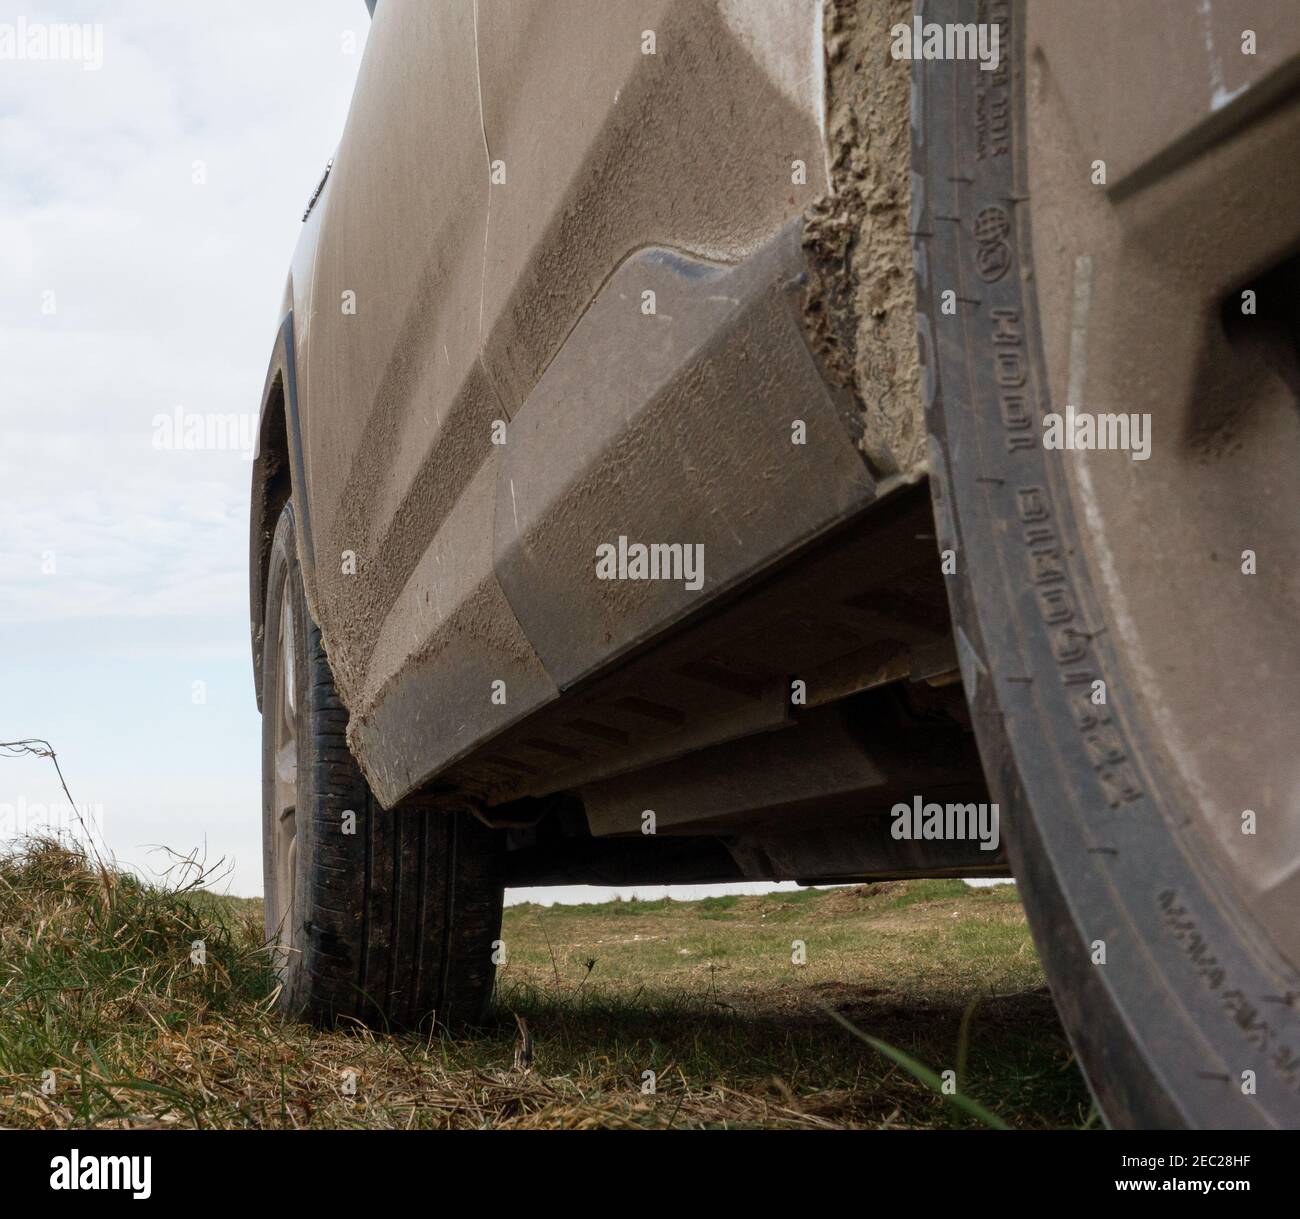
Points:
x=107, y=1018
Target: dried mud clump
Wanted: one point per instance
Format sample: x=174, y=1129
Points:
x=860, y=309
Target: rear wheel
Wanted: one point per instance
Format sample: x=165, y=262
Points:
x=1126, y=628
x=387, y=917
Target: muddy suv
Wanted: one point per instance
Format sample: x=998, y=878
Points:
x=781, y=439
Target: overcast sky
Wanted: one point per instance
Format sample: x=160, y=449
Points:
x=134, y=282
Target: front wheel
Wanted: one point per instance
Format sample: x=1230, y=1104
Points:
x=383, y=916
x=1083, y=258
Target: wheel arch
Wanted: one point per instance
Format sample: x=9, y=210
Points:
x=277, y=475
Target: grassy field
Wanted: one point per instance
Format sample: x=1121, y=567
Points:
x=105, y=1020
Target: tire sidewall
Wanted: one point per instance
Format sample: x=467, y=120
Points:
x=284, y=580
x=1185, y=1000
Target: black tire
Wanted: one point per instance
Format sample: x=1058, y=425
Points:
x=392, y=924
x=1190, y=995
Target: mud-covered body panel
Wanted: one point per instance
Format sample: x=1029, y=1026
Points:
x=682, y=434
x=471, y=332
